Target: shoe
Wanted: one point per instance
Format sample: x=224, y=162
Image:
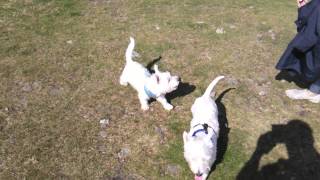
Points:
x=303, y=94
x=315, y=99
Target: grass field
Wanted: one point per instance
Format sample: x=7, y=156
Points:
x=60, y=62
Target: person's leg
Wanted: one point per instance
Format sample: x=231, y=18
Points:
x=315, y=87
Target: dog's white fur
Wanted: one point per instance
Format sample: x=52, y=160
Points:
x=200, y=150
x=159, y=83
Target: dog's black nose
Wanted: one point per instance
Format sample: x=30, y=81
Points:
x=199, y=174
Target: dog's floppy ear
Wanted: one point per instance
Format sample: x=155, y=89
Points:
x=156, y=69
x=185, y=136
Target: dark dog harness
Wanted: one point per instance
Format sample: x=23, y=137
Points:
x=203, y=129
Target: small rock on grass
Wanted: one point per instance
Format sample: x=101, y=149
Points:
x=160, y=132
x=36, y=85
x=118, y=177
x=173, y=170
x=272, y=34
x=27, y=87
x=102, y=149
x=259, y=37
x=124, y=153
x=302, y=113
x=104, y=123
x=262, y=93
x=55, y=91
x=232, y=81
x=232, y=26
x=126, y=177
x=220, y=30
x=103, y=134
x=200, y=22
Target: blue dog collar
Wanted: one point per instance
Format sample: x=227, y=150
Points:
x=149, y=93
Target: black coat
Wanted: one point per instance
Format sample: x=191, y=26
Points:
x=303, y=53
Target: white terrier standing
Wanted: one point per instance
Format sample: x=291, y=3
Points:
x=200, y=144
x=148, y=85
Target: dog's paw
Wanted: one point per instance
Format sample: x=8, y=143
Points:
x=168, y=107
x=145, y=108
x=123, y=83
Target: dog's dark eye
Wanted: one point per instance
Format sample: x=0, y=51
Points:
x=169, y=79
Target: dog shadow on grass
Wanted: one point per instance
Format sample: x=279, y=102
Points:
x=303, y=161
x=182, y=90
x=224, y=129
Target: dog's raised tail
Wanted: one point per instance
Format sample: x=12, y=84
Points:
x=212, y=85
x=130, y=50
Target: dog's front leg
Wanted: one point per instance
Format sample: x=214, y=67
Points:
x=164, y=103
x=144, y=102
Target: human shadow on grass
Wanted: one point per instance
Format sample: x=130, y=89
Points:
x=223, y=139
x=292, y=77
x=303, y=161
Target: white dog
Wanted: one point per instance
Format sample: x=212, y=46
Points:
x=200, y=144
x=148, y=85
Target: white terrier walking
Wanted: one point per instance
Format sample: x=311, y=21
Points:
x=200, y=144
x=148, y=85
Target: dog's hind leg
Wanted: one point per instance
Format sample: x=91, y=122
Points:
x=123, y=79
